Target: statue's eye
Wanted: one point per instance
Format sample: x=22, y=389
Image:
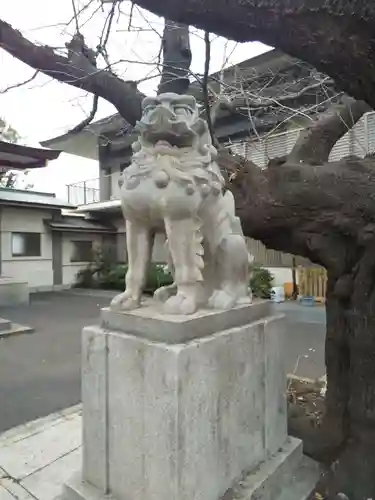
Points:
x=149, y=108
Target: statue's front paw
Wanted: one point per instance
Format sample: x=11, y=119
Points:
x=180, y=304
x=163, y=293
x=124, y=302
x=222, y=300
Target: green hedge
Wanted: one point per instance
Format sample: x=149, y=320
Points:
x=104, y=275
x=113, y=277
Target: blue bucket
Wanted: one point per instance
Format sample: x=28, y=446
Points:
x=308, y=301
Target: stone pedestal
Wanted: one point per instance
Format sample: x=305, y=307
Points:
x=13, y=292
x=183, y=408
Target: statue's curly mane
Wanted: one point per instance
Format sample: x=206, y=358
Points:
x=195, y=163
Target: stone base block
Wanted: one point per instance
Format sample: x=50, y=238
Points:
x=287, y=475
x=13, y=292
x=182, y=408
x=7, y=328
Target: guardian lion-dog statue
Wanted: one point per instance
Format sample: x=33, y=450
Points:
x=174, y=184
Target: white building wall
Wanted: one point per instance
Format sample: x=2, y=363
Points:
x=70, y=269
x=159, y=253
x=281, y=275
x=37, y=271
x=115, y=188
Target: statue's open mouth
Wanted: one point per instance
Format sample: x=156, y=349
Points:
x=174, y=140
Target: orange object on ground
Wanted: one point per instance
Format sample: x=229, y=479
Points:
x=288, y=289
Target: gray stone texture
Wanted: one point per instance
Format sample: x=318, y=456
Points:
x=13, y=292
x=151, y=323
x=182, y=421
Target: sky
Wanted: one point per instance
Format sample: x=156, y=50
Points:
x=45, y=108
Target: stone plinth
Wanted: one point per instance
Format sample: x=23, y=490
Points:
x=13, y=292
x=184, y=421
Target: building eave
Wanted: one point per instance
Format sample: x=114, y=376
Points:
x=19, y=157
x=85, y=143
x=101, y=206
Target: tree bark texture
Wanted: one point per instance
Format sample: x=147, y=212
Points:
x=335, y=36
x=176, y=58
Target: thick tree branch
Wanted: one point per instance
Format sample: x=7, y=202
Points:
x=315, y=143
x=77, y=69
x=335, y=37
x=321, y=212
x=176, y=58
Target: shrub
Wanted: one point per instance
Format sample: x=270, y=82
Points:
x=97, y=275
x=157, y=276
x=113, y=278
x=261, y=282
x=85, y=278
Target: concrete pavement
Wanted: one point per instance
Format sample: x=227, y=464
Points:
x=40, y=372
x=37, y=458
x=305, y=339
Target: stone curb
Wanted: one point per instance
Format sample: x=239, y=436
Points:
x=16, y=329
x=37, y=426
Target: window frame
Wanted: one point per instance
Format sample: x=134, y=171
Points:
x=27, y=252
x=74, y=257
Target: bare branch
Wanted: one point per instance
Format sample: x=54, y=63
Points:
x=206, y=97
x=89, y=119
x=75, y=15
x=315, y=143
x=81, y=10
x=77, y=69
x=102, y=46
x=20, y=84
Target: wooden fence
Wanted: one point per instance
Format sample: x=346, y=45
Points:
x=312, y=282
x=272, y=258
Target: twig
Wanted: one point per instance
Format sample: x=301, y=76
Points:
x=88, y=119
x=82, y=9
x=131, y=15
x=75, y=15
x=16, y=85
x=102, y=46
x=205, y=86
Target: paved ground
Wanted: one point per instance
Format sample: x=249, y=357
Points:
x=305, y=339
x=40, y=372
x=38, y=458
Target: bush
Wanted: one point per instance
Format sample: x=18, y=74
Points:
x=102, y=274
x=113, y=278
x=157, y=276
x=261, y=282
x=97, y=275
x=85, y=278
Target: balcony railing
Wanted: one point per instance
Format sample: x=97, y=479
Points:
x=81, y=193
x=94, y=190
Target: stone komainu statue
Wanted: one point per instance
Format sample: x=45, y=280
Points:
x=174, y=184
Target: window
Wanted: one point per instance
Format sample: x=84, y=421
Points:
x=82, y=251
x=26, y=245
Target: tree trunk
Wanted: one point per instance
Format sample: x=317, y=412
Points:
x=350, y=359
